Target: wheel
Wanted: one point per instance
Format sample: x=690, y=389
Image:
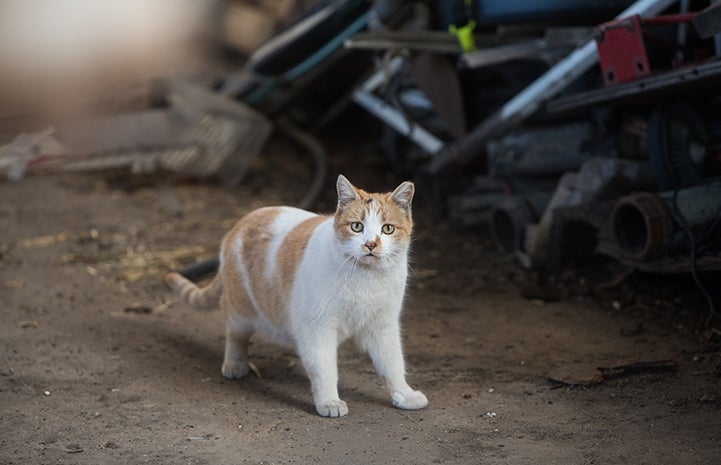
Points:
x=677, y=140
x=306, y=37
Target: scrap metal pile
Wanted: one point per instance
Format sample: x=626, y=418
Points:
x=566, y=127
x=597, y=134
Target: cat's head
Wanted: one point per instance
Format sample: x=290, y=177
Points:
x=373, y=229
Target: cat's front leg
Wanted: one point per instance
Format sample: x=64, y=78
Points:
x=319, y=355
x=383, y=344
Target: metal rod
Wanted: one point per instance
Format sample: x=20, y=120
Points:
x=532, y=97
x=397, y=121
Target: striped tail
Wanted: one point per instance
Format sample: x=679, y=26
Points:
x=205, y=298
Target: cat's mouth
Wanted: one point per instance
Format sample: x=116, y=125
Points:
x=370, y=257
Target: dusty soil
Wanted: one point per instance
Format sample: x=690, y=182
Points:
x=98, y=363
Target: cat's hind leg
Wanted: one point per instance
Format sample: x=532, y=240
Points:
x=238, y=331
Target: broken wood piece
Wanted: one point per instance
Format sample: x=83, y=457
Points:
x=25, y=324
x=254, y=369
x=634, y=366
x=138, y=308
x=581, y=374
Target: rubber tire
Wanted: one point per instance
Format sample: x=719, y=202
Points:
x=671, y=130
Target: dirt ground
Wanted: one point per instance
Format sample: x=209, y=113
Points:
x=99, y=364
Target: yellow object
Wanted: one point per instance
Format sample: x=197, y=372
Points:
x=464, y=34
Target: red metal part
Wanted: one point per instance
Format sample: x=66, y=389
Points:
x=669, y=19
x=621, y=50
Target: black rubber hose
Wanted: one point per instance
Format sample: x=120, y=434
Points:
x=306, y=143
x=315, y=149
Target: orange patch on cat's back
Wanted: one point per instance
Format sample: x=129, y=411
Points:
x=247, y=242
x=248, y=246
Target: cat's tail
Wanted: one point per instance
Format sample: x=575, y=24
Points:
x=205, y=298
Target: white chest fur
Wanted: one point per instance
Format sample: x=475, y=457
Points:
x=332, y=289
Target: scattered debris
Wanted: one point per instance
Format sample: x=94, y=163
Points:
x=200, y=135
x=138, y=309
x=43, y=241
x=580, y=374
x=128, y=312
x=25, y=324
x=162, y=307
x=204, y=437
x=254, y=368
x=135, y=263
x=24, y=149
x=632, y=366
x=73, y=448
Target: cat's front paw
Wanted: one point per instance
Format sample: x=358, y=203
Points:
x=236, y=369
x=412, y=401
x=333, y=409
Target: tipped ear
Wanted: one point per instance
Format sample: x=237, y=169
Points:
x=346, y=192
x=403, y=195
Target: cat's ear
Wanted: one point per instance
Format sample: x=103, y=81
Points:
x=346, y=192
x=403, y=195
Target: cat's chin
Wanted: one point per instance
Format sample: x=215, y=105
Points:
x=369, y=259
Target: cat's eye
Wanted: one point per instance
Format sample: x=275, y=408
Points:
x=356, y=226
x=388, y=229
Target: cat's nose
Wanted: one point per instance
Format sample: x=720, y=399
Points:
x=370, y=245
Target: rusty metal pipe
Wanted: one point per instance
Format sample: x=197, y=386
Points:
x=647, y=225
x=509, y=218
x=642, y=225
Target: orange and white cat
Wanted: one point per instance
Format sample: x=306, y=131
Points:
x=312, y=282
